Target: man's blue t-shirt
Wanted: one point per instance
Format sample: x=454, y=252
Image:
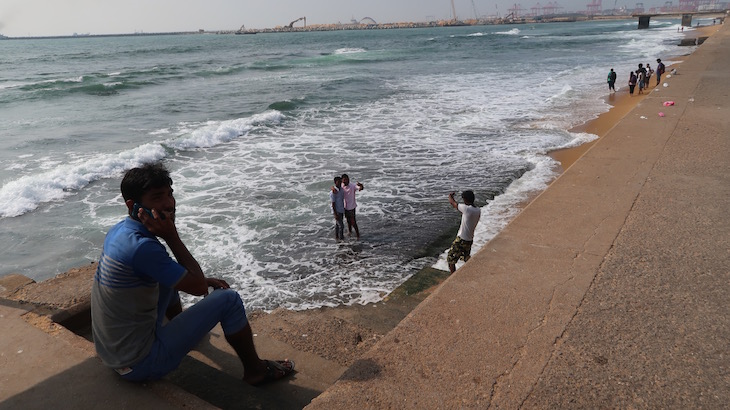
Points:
x=125, y=293
x=338, y=197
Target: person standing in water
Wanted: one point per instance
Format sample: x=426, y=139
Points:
x=611, y=81
x=337, y=198
x=470, y=214
x=350, y=204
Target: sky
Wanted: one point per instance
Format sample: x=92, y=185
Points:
x=66, y=17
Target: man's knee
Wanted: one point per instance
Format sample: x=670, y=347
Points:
x=234, y=313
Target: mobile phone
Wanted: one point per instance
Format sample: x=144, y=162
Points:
x=136, y=208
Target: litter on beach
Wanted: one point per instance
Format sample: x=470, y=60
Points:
x=666, y=84
x=642, y=117
x=661, y=114
x=668, y=103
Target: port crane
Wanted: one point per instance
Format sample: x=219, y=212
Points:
x=297, y=20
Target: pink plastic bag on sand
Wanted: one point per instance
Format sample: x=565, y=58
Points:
x=661, y=114
x=668, y=103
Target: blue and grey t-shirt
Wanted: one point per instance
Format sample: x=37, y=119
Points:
x=125, y=293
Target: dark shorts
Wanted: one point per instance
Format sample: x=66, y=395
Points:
x=460, y=249
x=350, y=215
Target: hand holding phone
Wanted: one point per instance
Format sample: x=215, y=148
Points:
x=137, y=207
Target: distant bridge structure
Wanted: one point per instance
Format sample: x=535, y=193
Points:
x=686, y=17
x=368, y=20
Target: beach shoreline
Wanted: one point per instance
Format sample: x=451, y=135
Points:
x=621, y=104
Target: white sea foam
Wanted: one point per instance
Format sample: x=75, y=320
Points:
x=349, y=50
x=219, y=132
x=60, y=180
x=513, y=32
x=26, y=193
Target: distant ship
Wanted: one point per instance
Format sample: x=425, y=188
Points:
x=243, y=30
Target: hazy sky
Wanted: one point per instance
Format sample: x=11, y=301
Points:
x=65, y=17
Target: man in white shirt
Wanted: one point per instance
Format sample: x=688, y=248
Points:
x=470, y=214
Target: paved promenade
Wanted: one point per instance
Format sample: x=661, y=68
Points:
x=610, y=290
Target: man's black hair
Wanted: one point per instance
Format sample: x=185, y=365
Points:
x=336, y=178
x=137, y=181
x=345, y=176
x=468, y=196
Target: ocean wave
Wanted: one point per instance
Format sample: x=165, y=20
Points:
x=513, y=32
x=286, y=105
x=220, y=132
x=350, y=50
x=26, y=193
x=563, y=92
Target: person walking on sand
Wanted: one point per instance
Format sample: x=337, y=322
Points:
x=649, y=73
x=470, y=214
x=349, y=189
x=611, y=81
x=136, y=285
x=641, y=77
x=659, y=70
x=632, y=83
x=337, y=198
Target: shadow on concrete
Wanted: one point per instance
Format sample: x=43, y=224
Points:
x=220, y=382
x=362, y=370
x=85, y=386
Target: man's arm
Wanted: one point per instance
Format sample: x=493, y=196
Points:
x=360, y=186
x=194, y=282
x=332, y=199
x=452, y=201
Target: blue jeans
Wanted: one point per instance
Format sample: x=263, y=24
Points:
x=174, y=340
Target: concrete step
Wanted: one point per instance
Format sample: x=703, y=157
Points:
x=322, y=342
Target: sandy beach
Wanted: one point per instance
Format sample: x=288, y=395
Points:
x=621, y=103
x=407, y=353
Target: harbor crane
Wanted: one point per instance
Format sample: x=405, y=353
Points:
x=297, y=20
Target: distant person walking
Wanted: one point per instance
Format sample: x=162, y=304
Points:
x=641, y=80
x=632, y=83
x=659, y=70
x=349, y=190
x=611, y=81
x=649, y=72
x=470, y=214
x=641, y=75
x=337, y=198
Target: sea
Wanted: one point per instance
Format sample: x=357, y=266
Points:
x=254, y=127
